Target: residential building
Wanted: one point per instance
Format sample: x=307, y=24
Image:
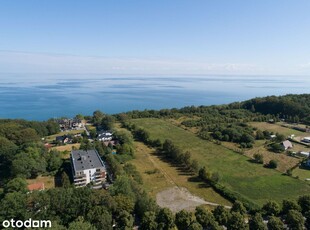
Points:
x=287, y=144
x=87, y=168
x=105, y=136
x=68, y=124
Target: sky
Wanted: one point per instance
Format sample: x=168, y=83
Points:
x=247, y=37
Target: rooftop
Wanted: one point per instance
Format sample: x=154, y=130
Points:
x=83, y=160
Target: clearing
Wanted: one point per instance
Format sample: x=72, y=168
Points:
x=237, y=173
x=159, y=175
x=49, y=181
x=177, y=199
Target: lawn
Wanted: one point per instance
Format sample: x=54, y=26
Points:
x=253, y=181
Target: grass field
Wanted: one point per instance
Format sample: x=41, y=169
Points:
x=302, y=174
x=255, y=182
x=165, y=176
x=67, y=147
x=277, y=128
x=47, y=180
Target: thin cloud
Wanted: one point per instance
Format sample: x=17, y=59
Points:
x=23, y=62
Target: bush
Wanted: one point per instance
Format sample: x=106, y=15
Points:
x=273, y=164
x=258, y=158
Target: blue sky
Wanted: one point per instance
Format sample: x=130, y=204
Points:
x=155, y=37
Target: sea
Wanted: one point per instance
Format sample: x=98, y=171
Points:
x=44, y=96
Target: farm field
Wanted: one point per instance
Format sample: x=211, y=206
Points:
x=237, y=173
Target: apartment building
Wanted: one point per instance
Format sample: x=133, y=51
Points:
x=87, y=168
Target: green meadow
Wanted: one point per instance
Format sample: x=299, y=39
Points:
x=237, y=173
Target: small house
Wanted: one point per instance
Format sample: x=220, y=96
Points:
x=64, y=139
x=105, y=136
x=287, y=145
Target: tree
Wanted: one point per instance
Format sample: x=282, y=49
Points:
x=124, y=221
x=236, y=222
x=165, y=219
x=7, y=150
x=65, y=181
x=289, y=205
x=81, y=224
x=195, y=226
x=145, y=204
x=276, y=147
x=124, y=202
x=307, y=222
x=271, y=208
x=194, y=165
x=256, y=222
x=107, y=122
x=16, y=185
x=53, y=160
x=258, y=158
x=97, y=117
x=205, y=218
x=273, y=164
x=100, y=218
x=148, y=221
x=221, y=215
x=204, y=174
x=238, y=207
x=274, y=223
x=13, y=206
x=304, y=202
x=260, y=135
x=183, y=220
x=215, y=177
x=27, y=165
x=295, y=220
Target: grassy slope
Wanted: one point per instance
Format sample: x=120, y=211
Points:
x=237, y=173
x=168, y=176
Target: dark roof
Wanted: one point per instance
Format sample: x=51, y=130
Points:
x=86, y=160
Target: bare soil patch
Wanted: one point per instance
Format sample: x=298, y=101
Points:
x=179, y=198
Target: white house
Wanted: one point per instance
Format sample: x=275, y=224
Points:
x=287, y=145
x=105, y=136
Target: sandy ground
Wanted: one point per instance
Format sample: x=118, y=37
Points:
x=178, y=198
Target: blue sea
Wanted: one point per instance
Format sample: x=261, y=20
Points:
x=44, y=96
